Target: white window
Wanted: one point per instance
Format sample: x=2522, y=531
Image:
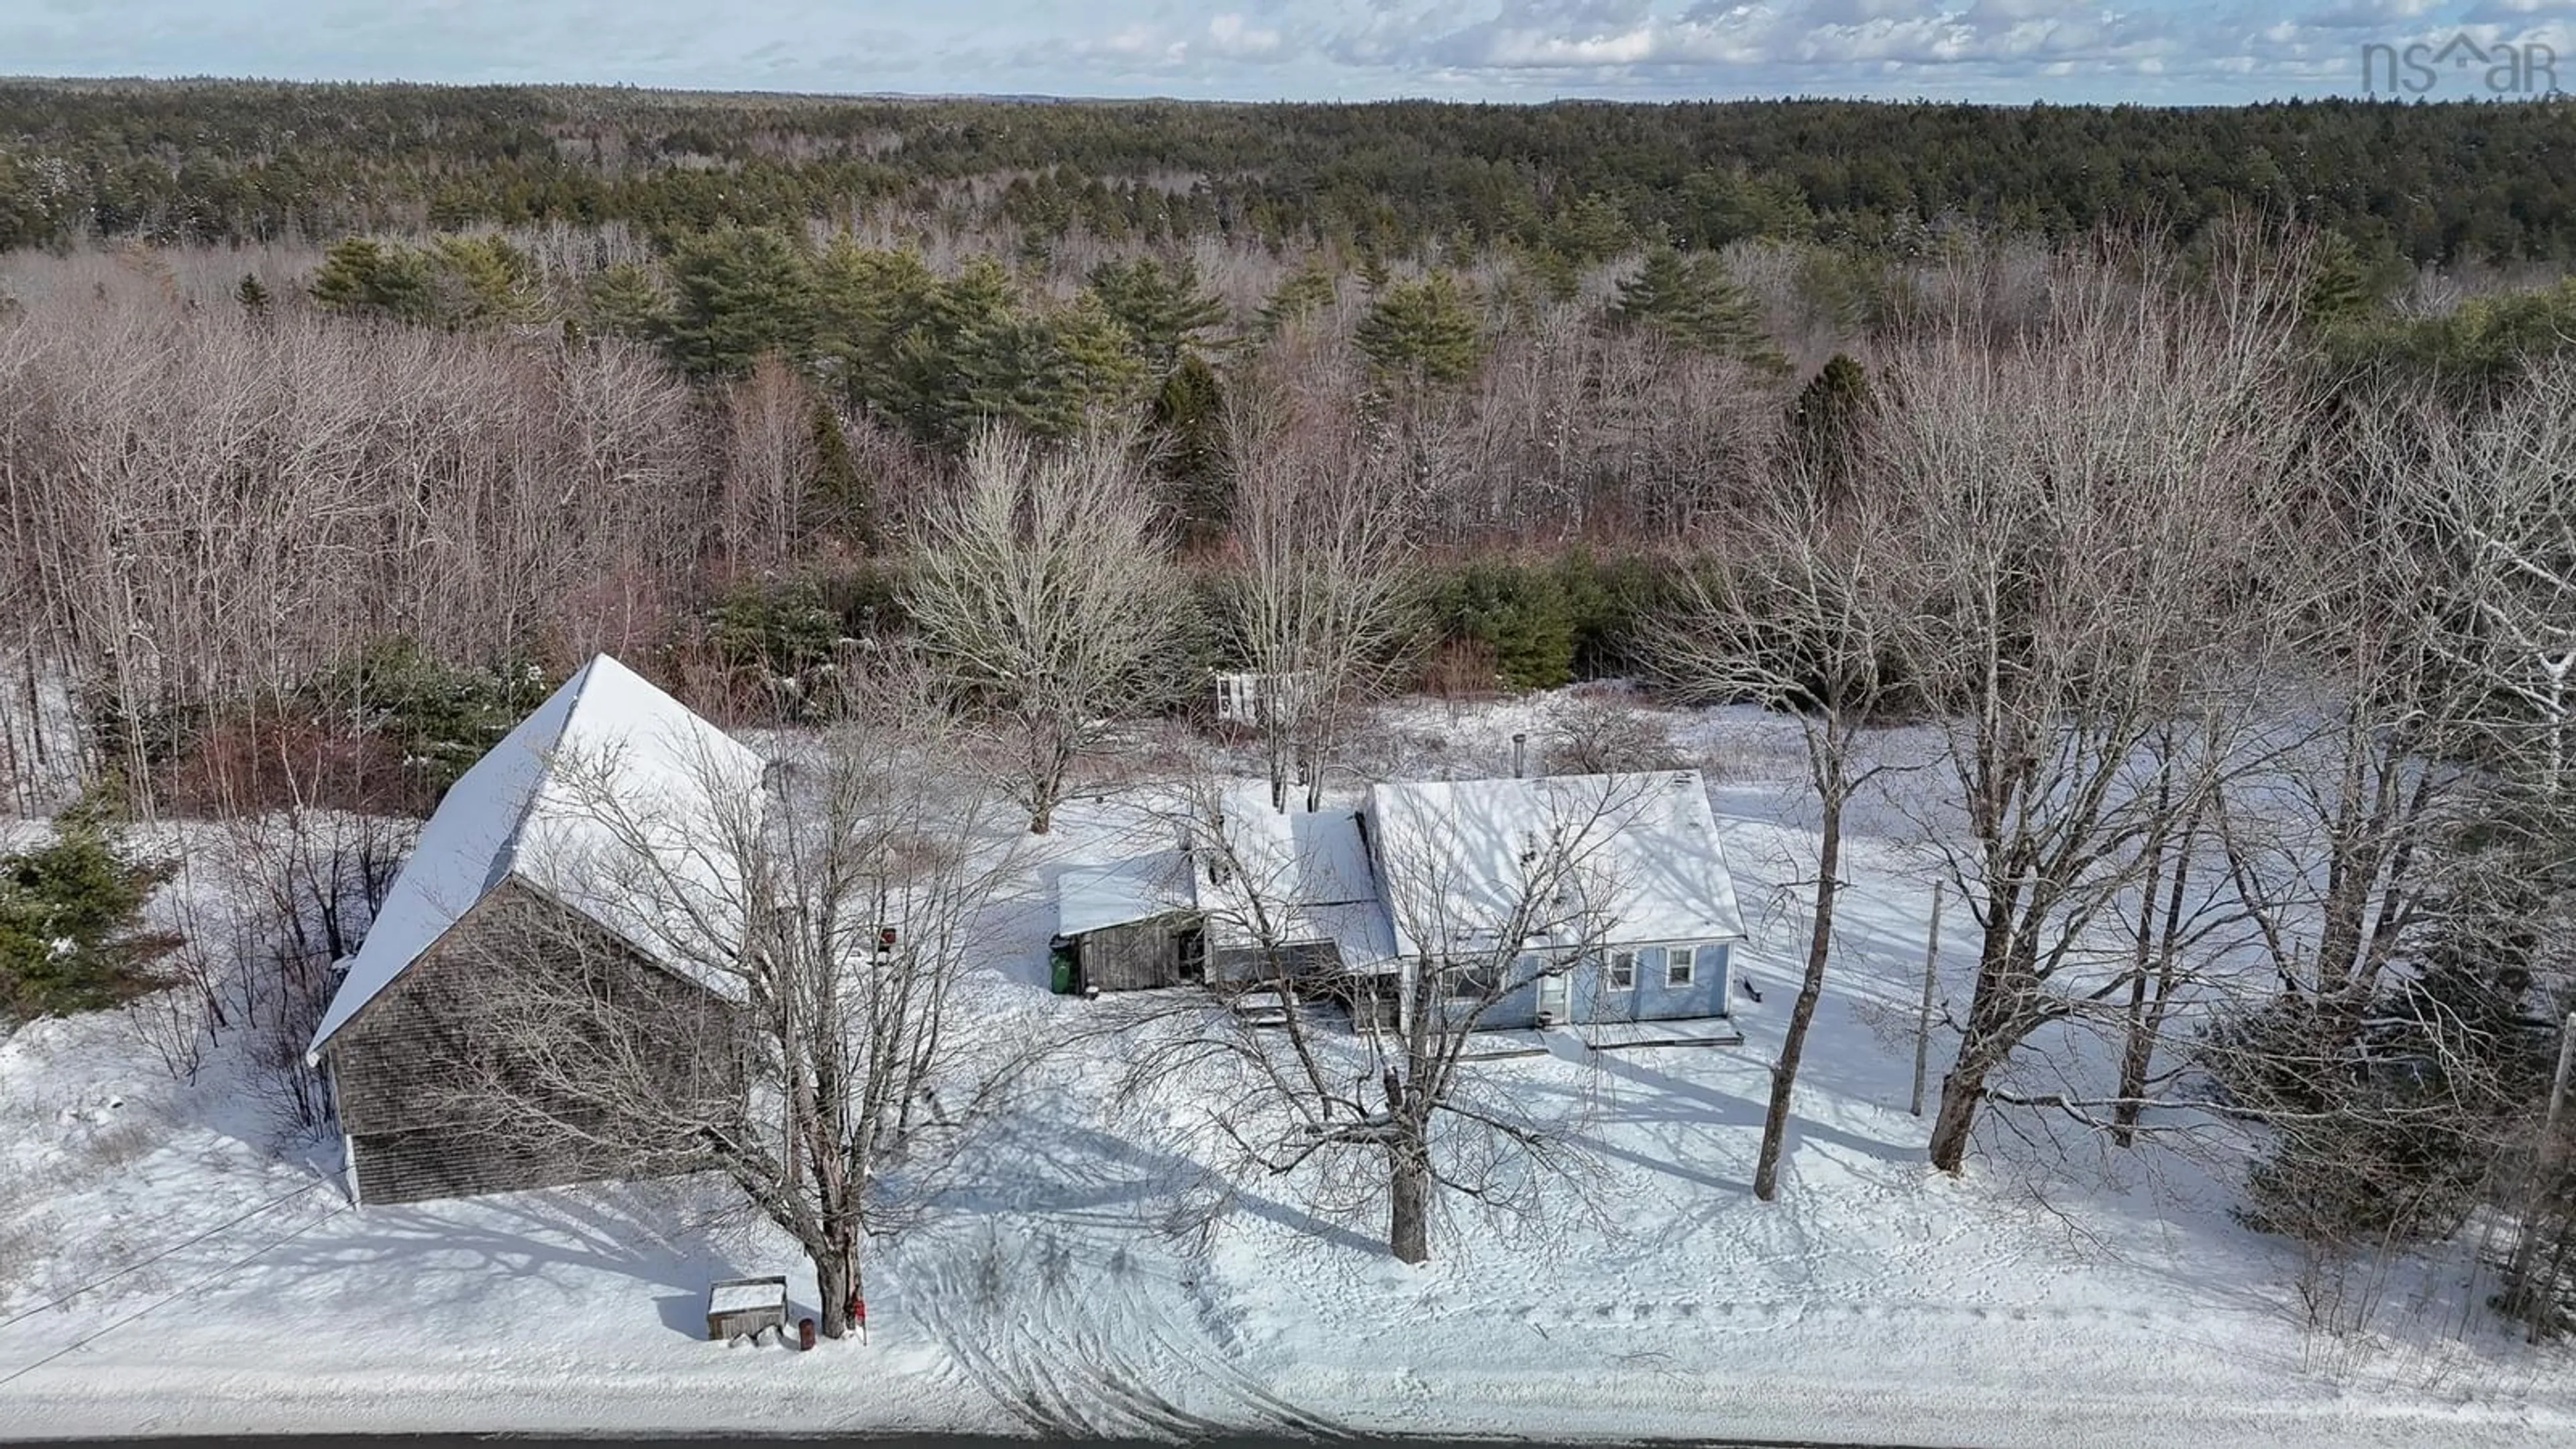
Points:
x=1623, y=970
x=1679, y=963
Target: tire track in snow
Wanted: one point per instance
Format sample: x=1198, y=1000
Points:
x=1094, y=1354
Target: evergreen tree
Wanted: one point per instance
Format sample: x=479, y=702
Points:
x=252, y=296
x=1424, y=331
x=360, y=275
x=2340, y=292
x=1090, y=368
x=961, y=359
x=1825, y=420
x=1300, y=294
x=740, y=292
x=71, y=919
x=627, y=299
x=867, y=301
x=1718, y=207
x=1162, y=307
x=848, y=496
x=1691, y=302
x=1189, y=419
x=1591, y=230
x=483, y=281
x=1518, y=614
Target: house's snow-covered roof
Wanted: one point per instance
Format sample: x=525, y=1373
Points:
x=611, y=798
x=1121, y=892
x=1303, y=876
x=1619, y=858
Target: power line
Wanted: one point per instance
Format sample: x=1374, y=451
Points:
x=218, y=1276
x=165, y=1252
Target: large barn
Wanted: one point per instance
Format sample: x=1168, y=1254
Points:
x=569, y=836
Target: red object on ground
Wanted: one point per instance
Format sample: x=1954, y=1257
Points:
x=858, y=1310
x=804, y=1334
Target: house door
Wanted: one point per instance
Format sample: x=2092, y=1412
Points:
x=1551, y=999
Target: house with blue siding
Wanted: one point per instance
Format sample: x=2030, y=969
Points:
x=1572, y=900
x=1568, y=900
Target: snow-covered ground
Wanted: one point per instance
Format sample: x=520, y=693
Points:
x=2102, y=1300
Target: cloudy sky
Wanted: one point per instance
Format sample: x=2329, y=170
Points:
x=2186, y=51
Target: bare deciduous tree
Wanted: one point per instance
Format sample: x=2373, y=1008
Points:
x=1317, y=608
x=2086, y=494
x=1800, y=614
x=1042, y=583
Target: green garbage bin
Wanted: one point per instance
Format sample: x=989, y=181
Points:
x=1061, y=970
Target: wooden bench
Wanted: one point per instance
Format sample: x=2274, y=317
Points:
x=739, y=1308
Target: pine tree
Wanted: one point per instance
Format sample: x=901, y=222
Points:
x=1091, y=369
x=627, y=299
x=867, y=301
x=962, y=359
x=848, y=495
x=741, y=292
x=483, y=281
x=1718, y=207
x=1162, y=307
x=1825, y=421
x=252, y=296
x=1424, y=331
x=1591, y=230
x=1189, y=417
x=1300, y=294
x=360, y=275
x=71, y=919
x=2341, y=289
x=1691, y=302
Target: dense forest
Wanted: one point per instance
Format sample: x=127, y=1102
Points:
x=208, y=163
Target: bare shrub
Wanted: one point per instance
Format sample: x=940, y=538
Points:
x=1462, y=669
x=1605, y=732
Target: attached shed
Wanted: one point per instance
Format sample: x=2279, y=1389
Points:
x=545, y=844
x=1129, y=925
x=1295, y=882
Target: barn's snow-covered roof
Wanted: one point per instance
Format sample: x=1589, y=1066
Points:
x=612, y=798
x=1621, y=858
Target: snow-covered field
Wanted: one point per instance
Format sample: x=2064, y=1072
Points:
x=165, y=1268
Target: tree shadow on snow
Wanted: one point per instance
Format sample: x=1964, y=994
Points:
x=541, y=1250
x=1079, y=1174
x=1669, y=1099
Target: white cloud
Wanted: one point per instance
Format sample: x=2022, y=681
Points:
x=1231, y=37
x=2368, y=14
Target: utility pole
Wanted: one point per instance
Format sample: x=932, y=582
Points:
x=1932, y=974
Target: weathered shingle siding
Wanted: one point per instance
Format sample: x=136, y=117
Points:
x=1134, y=957
x=1317, y=962
x=421, y=1166
x=418, y=1129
